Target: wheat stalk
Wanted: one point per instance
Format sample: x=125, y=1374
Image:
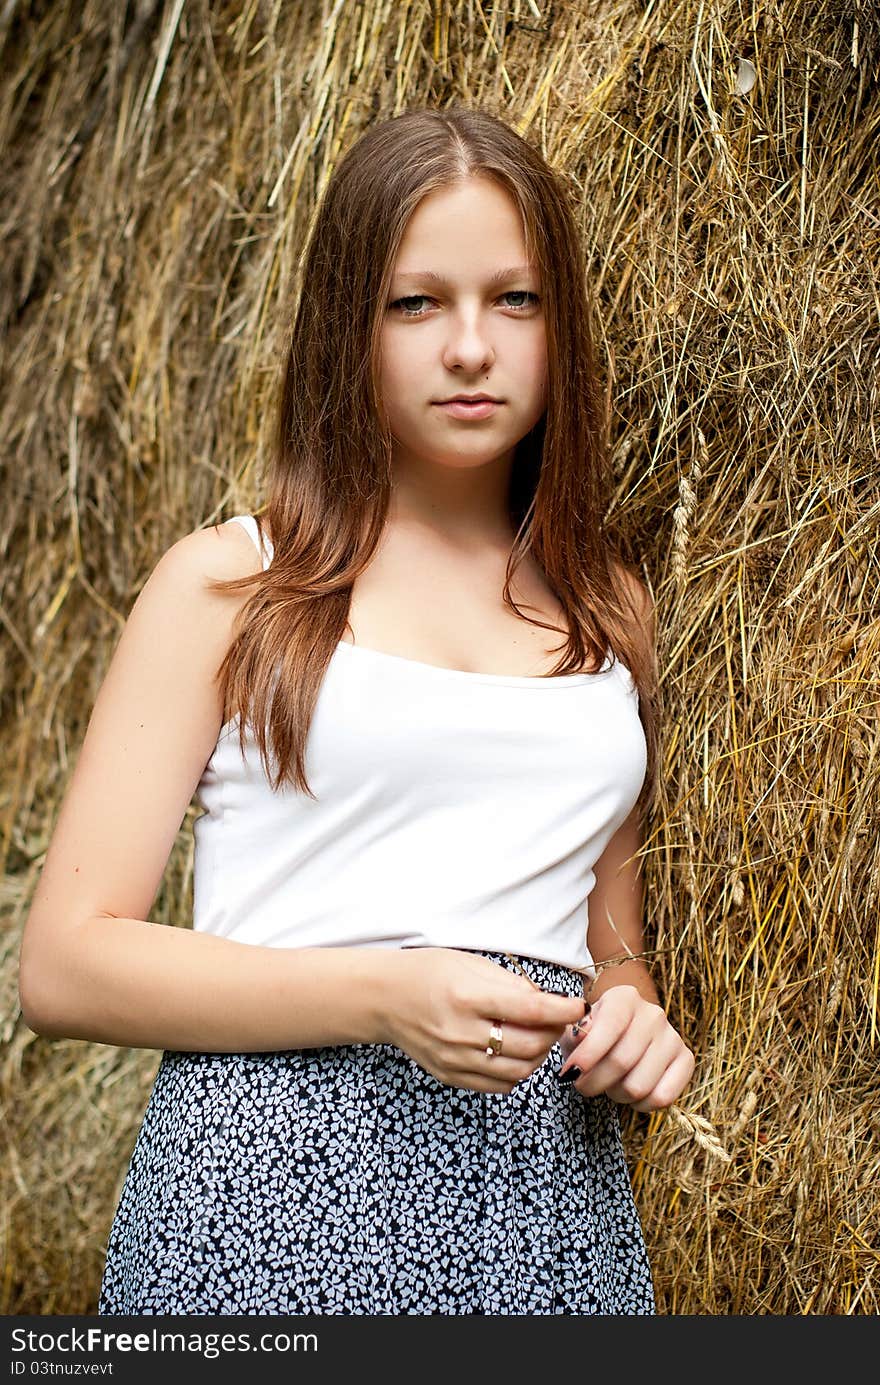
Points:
x=701, y=1130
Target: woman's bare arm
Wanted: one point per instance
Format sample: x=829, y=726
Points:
x=92, y=966
x=616, y=902
x=626, y=1047
x=616, y=912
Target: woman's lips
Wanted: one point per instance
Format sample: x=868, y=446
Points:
x=458, y=408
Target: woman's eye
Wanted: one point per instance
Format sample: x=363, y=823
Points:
x=405, y=304
x=521, y=293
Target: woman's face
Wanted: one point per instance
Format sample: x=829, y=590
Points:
x=464, y=317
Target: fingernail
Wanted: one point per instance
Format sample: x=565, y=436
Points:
x=576, y=1028
x=570, y=1075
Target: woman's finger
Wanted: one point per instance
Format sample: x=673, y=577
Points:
x=531, y=1008
x=518, y=1045
x=671, y=1084
x=613, y=1066
x=610, y=1030
x=638, y=1081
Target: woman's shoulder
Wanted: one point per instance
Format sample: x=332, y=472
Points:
x=639, y=599
x=215, y=553
x=223, y=552
x=187, y=584
x=635, y=588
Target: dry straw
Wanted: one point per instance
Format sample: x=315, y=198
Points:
x=161, y=163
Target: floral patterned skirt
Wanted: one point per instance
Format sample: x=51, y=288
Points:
x=347, y=1179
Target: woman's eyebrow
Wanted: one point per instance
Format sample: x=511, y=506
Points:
x=428, y=276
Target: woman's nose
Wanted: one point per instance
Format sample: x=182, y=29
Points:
x=468, y=345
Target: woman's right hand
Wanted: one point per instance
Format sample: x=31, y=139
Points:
x=442, y=1002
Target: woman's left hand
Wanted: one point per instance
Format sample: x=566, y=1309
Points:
x=627, y=1048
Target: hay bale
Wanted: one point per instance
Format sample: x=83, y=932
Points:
x=159, y=176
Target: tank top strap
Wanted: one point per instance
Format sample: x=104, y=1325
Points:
x=265, y=549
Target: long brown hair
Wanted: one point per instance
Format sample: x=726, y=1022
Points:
x=330, y=469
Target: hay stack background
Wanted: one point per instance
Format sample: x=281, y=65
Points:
x=160, y=165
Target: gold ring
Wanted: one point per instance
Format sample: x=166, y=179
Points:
x=496, y=1039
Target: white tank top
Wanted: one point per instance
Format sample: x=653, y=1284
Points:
x=453, y=809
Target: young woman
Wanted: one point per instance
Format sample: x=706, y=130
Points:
x=379, y=1091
